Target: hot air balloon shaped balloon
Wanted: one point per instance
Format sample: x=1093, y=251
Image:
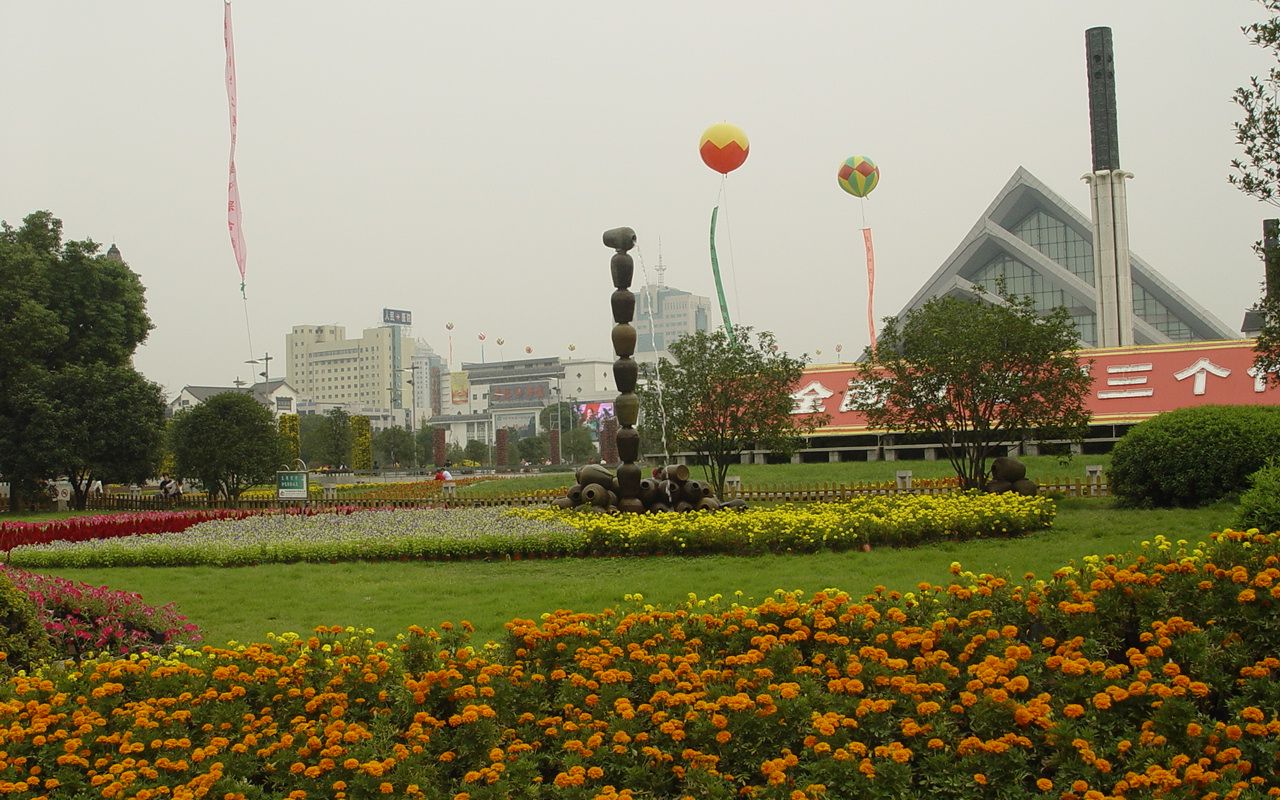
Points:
x=724, y=148
x=859, y=176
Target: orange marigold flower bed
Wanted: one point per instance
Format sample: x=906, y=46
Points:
x=1136, y=676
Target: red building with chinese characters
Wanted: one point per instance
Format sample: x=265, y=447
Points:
x=1130, y=384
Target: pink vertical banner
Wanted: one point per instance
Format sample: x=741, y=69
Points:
x=871, y=284
x=233, y=186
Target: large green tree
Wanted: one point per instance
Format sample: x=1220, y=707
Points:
x=976, y=374
x=1257, y=172
x=230, y=442
x=110, y=423
x=63, y=307
x=326, y=438
x=725, y=393
x=393, y=447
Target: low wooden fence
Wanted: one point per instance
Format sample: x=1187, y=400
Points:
x=825, y=492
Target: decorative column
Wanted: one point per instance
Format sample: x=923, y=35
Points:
x=553, y=446
x=625, y=369
x=501, y=446
x=609, y=440
x=438, y=450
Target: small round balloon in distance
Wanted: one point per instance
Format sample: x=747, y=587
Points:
x=858, y=175
x=528, y=348
x=480, y=337
x=448, y=326
x=724, y=147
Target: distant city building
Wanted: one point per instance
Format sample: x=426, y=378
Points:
x=277, y=396
x=480, y=398
x=675, y=313
x=371, y=373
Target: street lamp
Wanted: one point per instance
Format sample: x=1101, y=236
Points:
x=265, y=361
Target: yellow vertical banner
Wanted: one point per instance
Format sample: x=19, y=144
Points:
x=459, y=387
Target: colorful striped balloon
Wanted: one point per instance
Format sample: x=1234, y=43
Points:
x=724, y=147
x=858, y=176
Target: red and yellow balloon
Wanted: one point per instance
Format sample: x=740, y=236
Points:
x=724, y=147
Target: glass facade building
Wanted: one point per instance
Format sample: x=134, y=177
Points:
x=1040, y=246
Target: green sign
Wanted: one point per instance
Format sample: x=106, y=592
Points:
x=291, y=485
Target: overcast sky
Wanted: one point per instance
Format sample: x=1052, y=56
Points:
x=461, y=160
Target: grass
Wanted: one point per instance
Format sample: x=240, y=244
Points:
x=44, y=516
x=245, y=603
x=781, y=475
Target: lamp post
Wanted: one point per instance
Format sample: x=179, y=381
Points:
x=265, y=361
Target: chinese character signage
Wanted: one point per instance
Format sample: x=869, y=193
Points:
x=1130, y=384
x=392, y=316
x=291, y=485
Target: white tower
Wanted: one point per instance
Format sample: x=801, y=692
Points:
x=1109, y=205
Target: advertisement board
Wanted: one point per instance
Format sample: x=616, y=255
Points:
x=529, y=393
x=592, y=414
x=459, y=387
x=395, y=316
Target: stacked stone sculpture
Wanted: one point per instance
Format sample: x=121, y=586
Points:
x=669, y=489
x=1010, y=475
x=598, y=488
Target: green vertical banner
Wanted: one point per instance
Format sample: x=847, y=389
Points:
x=715, y=270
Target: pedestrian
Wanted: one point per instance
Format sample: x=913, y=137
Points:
x=95, y=488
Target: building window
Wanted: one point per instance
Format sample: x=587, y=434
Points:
x=1052, y=237
x=1019, y=279
x=1157, y=314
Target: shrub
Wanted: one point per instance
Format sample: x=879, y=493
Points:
x=1260, y=506
x=22, y=638
x=1193, y=456
x=78, y=618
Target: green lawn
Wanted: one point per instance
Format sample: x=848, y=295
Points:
x=43, y=516
x=1040, y=468
x=245, y=603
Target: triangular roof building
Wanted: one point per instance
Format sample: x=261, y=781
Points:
x=1043, y=247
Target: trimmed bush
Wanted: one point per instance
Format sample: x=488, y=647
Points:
x=22, y=638
x=1260, y=506
x=1193, y=456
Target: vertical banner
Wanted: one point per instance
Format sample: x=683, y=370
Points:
x=715, y=271
x=233, y=187
x=459, y=387
x=871, y=284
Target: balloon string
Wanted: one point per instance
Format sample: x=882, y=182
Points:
x=862, y=203
x=728, y=234
x=653, y=343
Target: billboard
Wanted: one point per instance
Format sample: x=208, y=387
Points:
x=528, y=393
x=592, y=414
x=393, y=316
x=459, y=387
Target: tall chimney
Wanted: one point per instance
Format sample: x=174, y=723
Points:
x=1109, y=205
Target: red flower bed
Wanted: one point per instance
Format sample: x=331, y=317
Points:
x=108, y=526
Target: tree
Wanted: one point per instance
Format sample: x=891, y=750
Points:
x=393, y=446
x=361, y=443
x=976, y=374
x=576, y=446
x=1257, y=174
x=476, y=451
x=424, y=445
x=533, y=448
x=110, y=426
x=229, y=442
x=63, y=306
x=329, y=439
x=726, y=392
x=291, y=436
x=563, y=415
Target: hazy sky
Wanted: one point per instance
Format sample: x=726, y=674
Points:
x=461, y=160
